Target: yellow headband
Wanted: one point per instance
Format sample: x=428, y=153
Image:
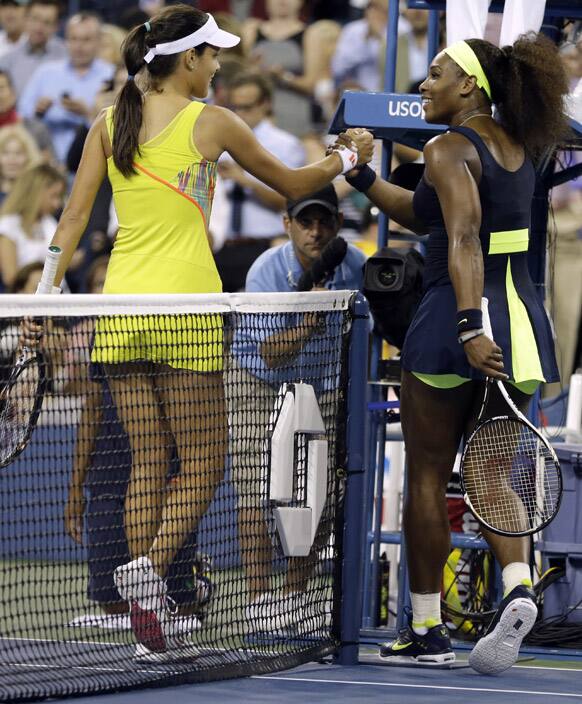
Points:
x=462, y=54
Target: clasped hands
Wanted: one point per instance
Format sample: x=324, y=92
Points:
x=357, y=139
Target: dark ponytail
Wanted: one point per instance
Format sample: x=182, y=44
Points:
x=174, y=22
x=528, y=86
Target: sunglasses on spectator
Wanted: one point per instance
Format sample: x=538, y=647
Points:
x=244, y=107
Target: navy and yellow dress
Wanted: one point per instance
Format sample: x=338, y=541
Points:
x=518, y=319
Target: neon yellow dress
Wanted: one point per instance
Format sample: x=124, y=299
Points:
x=162, y=247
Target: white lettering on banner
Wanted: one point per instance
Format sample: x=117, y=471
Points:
x=297, y=412
x=405, y=108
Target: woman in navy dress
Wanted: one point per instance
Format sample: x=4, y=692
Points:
x=474, y=200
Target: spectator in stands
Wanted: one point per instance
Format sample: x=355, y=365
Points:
x=417, y=44
x=295, y=56
x=356, y=60
x=151, y=7
x=261, y=360
x=9, y=116
x=40, y=45
x=112, y=38
x=253, y=208
x=18, y=152
x=27, y=222
x=13, y=334
x=241, y=10
x=27, y=278
x=103, y=220
x=12, y=21
x=62, y=92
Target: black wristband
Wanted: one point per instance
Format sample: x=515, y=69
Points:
x=363, y=179
x=469, y=319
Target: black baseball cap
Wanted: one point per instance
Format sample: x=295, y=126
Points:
x=327, y=197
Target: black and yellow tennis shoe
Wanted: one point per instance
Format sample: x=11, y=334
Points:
x=433, y=648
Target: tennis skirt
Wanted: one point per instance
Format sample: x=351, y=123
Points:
x=191, y=341
x=520, y=327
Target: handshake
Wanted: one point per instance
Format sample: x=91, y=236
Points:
x=355, y=147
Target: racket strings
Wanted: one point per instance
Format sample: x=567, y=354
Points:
x=511, y=477
x=17, y=407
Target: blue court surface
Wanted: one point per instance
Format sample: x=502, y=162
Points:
x=534, y=680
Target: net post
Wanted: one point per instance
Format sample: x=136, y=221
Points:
x=354, y=512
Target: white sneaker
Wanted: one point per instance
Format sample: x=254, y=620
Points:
x=269, y=613
x=498, y=650
x=137, y=581
x=153, y=622
x=177, y=650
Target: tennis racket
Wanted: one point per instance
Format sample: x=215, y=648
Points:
x=510, y=474
x=21, y=398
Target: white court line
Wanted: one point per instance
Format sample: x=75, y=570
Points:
x=40, y=666
x=546, y=667
x=63, y=642
x=418, y=686
x=204, y=650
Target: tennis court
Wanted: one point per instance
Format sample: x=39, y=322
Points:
x=532, y=680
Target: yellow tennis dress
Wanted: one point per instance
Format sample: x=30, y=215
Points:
x=162, y=247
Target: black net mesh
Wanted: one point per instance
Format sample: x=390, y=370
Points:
x=139, y=544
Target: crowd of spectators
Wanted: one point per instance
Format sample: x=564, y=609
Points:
x=58, y=71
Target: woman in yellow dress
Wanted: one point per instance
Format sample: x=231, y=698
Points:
x=159, y=149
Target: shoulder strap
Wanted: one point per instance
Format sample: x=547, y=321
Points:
x=474, y=138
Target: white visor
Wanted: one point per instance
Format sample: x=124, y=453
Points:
x=209, y=33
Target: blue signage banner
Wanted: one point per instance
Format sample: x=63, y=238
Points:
x=393, y=116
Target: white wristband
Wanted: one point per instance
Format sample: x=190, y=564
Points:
x=349, y=158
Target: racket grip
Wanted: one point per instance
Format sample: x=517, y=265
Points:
x=49, y=271
x=486, y=319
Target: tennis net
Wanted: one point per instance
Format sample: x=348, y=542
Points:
x=207, y=433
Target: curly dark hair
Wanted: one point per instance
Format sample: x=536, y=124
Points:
x=171, y=23
x=528, y=85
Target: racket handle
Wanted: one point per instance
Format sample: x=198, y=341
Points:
x=486, y=319
x=51, y=264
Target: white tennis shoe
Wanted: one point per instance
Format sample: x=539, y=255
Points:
x=153, y=622
x=498, y=650
x=178, y=634
x=270, y=613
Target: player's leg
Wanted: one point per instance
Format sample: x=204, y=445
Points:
x=139, y=582
x=195, y=408
x=516, y=615
x=433, y=420
x=138, y=408
x=506, y=550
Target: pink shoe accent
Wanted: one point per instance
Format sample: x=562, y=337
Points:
x=147, y=628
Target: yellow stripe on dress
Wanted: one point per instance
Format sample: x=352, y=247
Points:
x=441, y=381
x=525, y=357
x=193, y=342
x=509, y=241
